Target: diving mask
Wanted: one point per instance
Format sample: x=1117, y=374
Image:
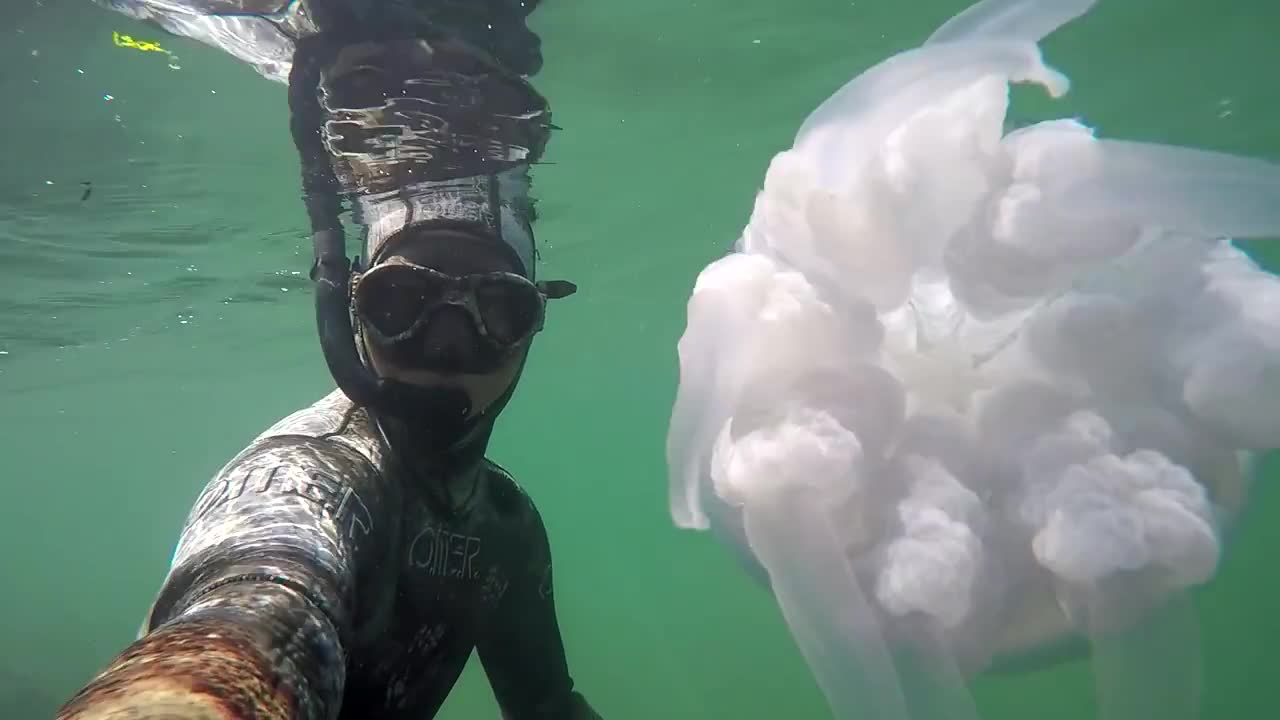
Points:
x=397, y=300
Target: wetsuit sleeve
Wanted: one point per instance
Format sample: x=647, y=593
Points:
x=521, y=649
x=276, y=567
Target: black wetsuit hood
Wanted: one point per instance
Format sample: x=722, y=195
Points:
x=433, y=441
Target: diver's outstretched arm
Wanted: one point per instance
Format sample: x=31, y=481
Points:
x=254, y=649
x=277, y=561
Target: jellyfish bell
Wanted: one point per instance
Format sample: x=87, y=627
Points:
x=957, y=398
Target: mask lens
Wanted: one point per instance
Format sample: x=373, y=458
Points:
x=393, y=298
x=510, y=309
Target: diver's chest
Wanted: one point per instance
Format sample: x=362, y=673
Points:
x=452, y=565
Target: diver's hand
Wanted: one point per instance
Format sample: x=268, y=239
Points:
x=191, y=669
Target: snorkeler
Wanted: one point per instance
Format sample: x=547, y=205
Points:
x=348, y=561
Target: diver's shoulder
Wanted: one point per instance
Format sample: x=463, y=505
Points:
x=323, y=417
x=515, y=517
x=330, y=425
x=506, y=495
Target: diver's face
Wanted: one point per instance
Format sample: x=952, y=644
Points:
x=450, y=343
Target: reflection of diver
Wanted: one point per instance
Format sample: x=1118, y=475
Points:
x=350, y=559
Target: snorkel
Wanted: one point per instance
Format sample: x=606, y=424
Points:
x=332, y=276
x=331, y=268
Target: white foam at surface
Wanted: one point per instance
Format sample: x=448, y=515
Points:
x=988, y=361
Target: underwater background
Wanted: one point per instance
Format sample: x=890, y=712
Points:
x=150, y=330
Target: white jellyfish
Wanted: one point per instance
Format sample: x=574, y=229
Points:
x=963, y=398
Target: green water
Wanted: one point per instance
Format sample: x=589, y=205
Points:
x=151, y=331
